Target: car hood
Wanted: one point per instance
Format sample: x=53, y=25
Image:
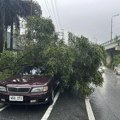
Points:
x=25, y=81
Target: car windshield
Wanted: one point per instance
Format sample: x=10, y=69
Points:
x=32, y=70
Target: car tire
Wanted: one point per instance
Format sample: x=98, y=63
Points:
x=51, y=98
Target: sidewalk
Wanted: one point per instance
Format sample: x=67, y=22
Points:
x=69, y=107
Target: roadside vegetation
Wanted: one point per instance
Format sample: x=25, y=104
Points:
x=116, y=60
x=74, y=63
x=11, y=12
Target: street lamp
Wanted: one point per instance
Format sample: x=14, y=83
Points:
x=112, y=23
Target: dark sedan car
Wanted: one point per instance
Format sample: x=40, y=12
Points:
x=30, y=86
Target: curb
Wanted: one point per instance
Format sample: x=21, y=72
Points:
x=89, y=109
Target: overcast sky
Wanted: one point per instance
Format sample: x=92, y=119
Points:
x=90, y=18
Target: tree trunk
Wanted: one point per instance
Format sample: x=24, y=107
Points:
x=11, y=38
x=1, y=25
x=1, y=39
x=6, y=40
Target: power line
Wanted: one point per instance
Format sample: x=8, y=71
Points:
x=49, y=10
x=45, y=8
x=50, y=7
x=55, y=13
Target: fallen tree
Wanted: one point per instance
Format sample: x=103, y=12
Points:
x=75, y=64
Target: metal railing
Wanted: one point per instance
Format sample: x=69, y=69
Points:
x=111, y=41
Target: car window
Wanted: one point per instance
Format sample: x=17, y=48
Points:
x=32, y=70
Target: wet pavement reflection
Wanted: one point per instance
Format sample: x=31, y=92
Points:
x=20, y=112
x=105, y=100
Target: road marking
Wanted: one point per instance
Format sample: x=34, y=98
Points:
x=89, y=109
x=49, y=110
x=1, y=109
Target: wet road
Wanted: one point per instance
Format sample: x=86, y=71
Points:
x=67, y=107
x=105, y=101
x=23, y=112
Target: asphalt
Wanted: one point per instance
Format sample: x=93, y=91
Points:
x=69, y=107
x=14, y=112
x=105, y=101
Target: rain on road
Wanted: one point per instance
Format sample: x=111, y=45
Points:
x=105, y=100
x=16, y=112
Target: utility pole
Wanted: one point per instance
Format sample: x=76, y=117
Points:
x=31, y=7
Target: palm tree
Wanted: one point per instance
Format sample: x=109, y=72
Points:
x=14, y=9
x=1, y=24
x=11, y=17
x=25, y=8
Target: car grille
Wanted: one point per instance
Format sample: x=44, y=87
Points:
x=18, y=90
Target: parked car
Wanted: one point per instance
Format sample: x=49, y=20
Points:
x=29, y=86
x=117, y=69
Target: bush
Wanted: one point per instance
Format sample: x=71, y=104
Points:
x=7, y=61
x=116, y=61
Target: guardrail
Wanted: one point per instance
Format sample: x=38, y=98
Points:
x=111, y=41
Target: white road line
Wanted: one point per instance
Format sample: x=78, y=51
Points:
x=89, y=109
x=49, y=110
x=1, y=109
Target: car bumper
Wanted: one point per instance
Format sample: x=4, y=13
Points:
x=30, y=99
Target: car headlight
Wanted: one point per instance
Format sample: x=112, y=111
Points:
x=39, y=89
x=2, y=89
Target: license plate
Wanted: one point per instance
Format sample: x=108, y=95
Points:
x=15, y=98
